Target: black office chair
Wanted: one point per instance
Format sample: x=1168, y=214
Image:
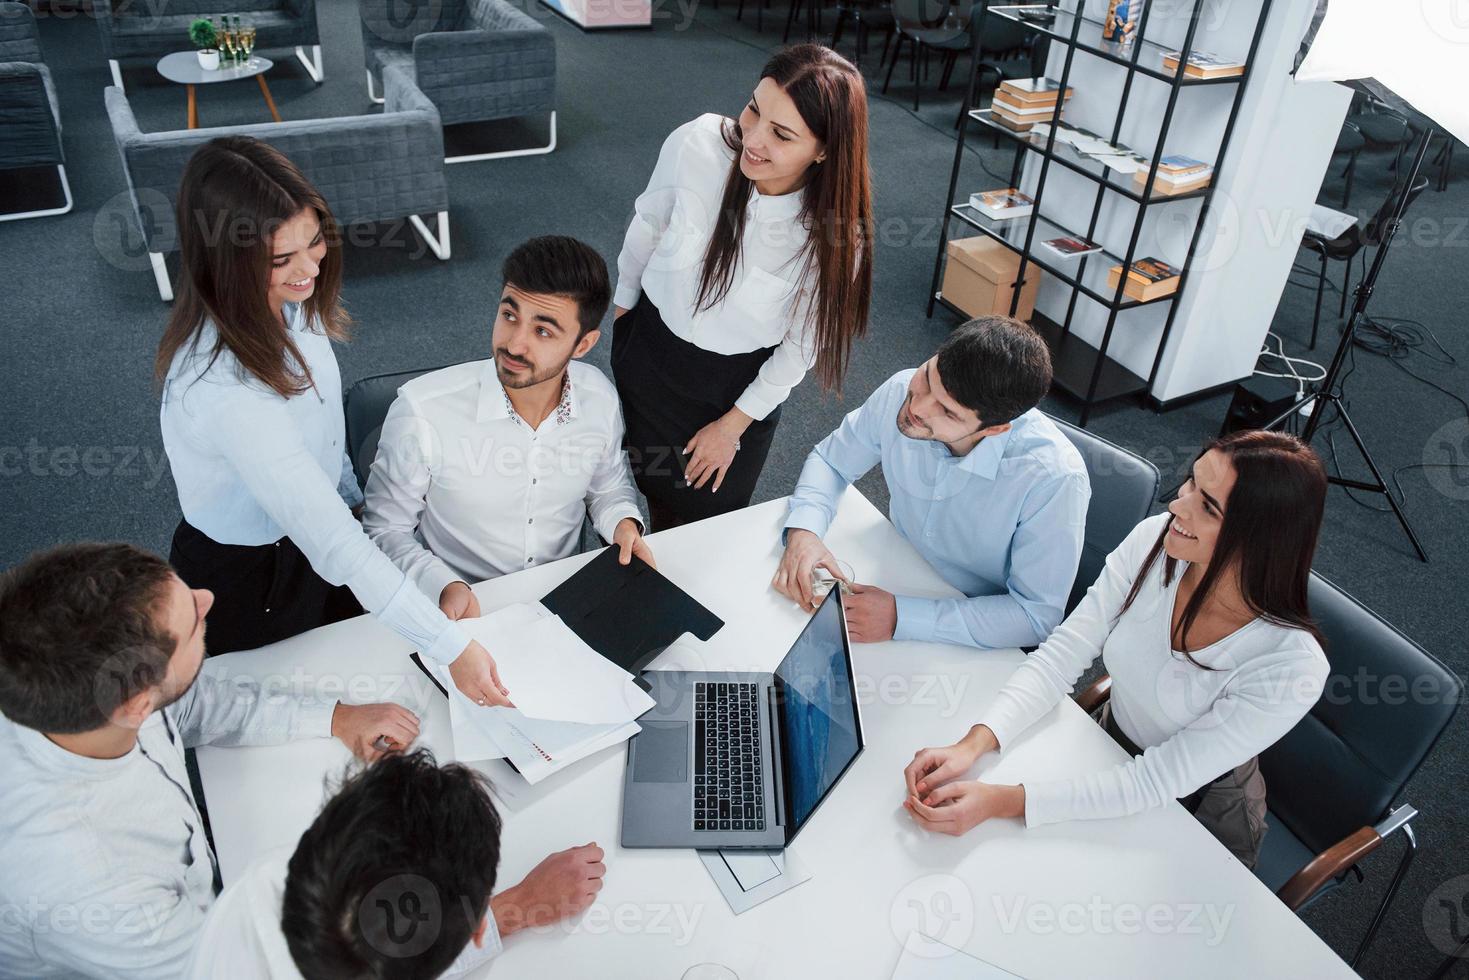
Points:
x=925, y=25
x=1124, y=486
x=1345, y=247
x=366, y=405
x=1332, y=780
x=867, y=16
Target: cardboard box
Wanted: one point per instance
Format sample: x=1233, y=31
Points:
x=980, y=275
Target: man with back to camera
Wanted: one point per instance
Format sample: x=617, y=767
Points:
x=105, y=869
x=392, y=880
x=991, y=493
x=489, y=467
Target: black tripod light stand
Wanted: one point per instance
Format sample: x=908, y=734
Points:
x=1329, y=393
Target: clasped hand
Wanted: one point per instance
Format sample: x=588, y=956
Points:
x=939, y=801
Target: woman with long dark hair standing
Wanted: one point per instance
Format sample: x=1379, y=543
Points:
x=253, y=425
x=748, y=263
x=1201, y=619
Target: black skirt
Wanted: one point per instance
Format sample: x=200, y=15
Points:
x=670, y=389
x=262, y=593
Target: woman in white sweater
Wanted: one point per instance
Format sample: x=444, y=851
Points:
x=1200, y=617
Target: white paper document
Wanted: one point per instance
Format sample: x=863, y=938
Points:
x=925, y=958
x=553, y=675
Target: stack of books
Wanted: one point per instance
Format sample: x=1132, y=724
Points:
x=1148, y=279
x=1000, y=205
x=1020, y=103
x=1202, y=64
x=1176, y=175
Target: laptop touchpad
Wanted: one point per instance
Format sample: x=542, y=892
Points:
x=662, y=753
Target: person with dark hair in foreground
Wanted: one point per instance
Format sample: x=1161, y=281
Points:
x=491, y=466
x=105, y=868
x=986, y=487
x=1201, y=618
x=393, y=880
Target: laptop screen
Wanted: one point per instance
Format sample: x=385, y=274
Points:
x=820, y=730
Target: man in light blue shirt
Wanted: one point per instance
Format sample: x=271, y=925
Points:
x=986, y=487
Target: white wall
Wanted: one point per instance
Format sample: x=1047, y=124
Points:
x=1279, y=152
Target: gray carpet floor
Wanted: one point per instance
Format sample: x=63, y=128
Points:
x=82, y=457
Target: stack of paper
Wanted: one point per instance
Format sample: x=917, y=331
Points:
x=569, y=700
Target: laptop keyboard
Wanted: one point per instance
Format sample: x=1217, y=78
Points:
x=728, y=783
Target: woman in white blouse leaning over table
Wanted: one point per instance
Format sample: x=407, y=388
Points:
x=748, y=262
x=253, y=424
x=1200, y=616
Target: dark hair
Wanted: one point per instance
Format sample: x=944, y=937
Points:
x=996, y=366
x=836, y=205
x=558, y=265
x=236, y=192
x=1269, y=532
x=393, y=877
x=81, y=632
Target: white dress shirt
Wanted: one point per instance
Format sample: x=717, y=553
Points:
x=242, y=939
x=463, y=489
x=1004, y=524
x=768, y=299
x=252, y=467
x=104, y=867
x=1193, y=724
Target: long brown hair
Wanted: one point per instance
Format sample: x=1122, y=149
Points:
x=836, y=205
x=1269, y=533
x=235, y=193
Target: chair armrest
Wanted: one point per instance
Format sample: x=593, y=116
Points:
x=446, y=52
x=1098, y=692
x=19, y=39
x=400, y=94
x=1327, y=865
x=496, y=15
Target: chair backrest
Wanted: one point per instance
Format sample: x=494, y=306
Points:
x=398, y=22
x=1124, y=486
x=1386, y=702
x=19, y=40
x=1372, y=232
x=366, y=405
x=995, y=36
x=914, y=14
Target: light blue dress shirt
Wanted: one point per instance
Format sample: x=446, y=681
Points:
x=1003, y=524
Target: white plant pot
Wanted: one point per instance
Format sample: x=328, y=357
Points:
x=209, y=59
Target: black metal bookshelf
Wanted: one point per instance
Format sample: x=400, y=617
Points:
x=1082, y=369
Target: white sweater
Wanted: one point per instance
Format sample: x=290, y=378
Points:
x=1193, y=724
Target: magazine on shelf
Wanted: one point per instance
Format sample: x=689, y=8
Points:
x=1176, y=166
x=1002, y=204
x=1071, y=247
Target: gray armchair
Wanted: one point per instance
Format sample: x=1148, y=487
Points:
x=30, y=119
x=139, y=30
x=477, y=60
x=382, y=167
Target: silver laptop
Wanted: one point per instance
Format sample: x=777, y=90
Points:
x=744, y=759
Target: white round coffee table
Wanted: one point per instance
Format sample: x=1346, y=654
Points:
x=183, y=67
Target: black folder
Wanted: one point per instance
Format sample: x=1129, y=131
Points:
x=628, y=613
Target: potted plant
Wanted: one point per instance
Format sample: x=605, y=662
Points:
x=201, y=33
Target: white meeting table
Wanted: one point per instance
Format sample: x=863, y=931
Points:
x=1153, y=895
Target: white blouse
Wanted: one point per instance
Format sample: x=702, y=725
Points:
x=252, y=467
x=1193, y=724
x=663, y=255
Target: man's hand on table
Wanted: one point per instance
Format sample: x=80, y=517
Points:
x=872, y=614
x=561, y=886
x=804, y=553
x=369, y=730
x=458, y=602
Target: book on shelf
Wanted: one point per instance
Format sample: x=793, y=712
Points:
x=1202, y=64
x=1121, y=20
x=1021, y=109
x=1148, y=279
x=1015, y=123
x=1033, y=91
x=1176, y=175
x=1177, y=166
x=1071, y=247
x=1002, y=204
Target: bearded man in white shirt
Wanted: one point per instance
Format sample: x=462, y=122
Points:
x=489, y=467
x=105, y=867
